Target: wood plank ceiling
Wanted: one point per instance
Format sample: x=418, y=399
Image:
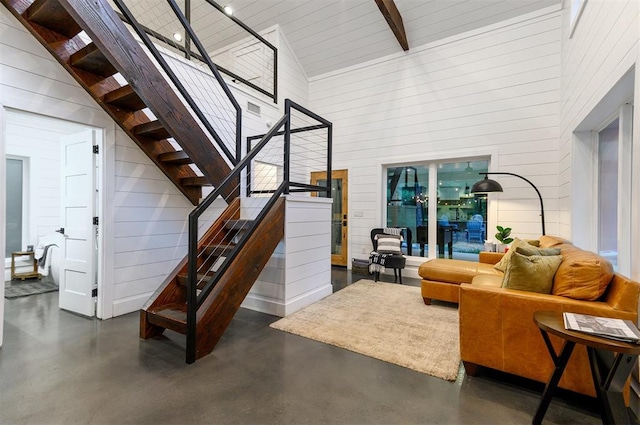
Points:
x=327, y=35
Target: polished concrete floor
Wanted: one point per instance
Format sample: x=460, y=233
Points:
x=58, y=368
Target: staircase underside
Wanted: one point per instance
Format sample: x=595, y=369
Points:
x=59, y=25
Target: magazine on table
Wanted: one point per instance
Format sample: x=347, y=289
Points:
x=618, y=329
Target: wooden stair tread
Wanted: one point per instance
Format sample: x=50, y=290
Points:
x=91, y=59
x=181, y=279
x=195, y=181
x=219, y=250
x=153, y=130
x=125, y=98
x=50, y=14
x=170, y=316
x=237, y=224
x=177, y=157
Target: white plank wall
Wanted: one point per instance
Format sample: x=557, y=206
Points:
x=491, y=92
x=292, y=80
x=299, y=272
x=150, y=225
x=602, y=49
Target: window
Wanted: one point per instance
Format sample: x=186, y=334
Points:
x=603, y=187
x=459, y=217
x=14, y=208
x=608, y=146
x=266, y=177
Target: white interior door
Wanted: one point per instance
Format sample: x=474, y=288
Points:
x=78, y=265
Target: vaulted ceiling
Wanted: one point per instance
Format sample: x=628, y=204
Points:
x=331, y=34
x=327, y=35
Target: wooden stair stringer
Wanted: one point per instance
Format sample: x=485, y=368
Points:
x=217, y=311
x=171, y=292
x=115, y=41
x=117, y=44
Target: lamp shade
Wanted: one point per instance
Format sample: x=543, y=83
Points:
x=486, y=185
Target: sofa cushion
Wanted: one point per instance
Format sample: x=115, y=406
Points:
x=487, y=280
x=454, y=271
x=533, y=273
x=502, y=264
x=548, y=241
x=582, y=275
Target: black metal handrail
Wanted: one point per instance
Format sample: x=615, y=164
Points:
x=131, y=20
x=248, y=29
x=294, y=187
x=188, y=53
x=282, y=127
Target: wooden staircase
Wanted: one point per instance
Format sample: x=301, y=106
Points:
x=58, y=25
x=167, y=309
x=62, y=26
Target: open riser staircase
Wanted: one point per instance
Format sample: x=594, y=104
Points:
x=168, y=310
x=227, y=248
x=93, y=45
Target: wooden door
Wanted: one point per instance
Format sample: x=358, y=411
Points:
x=339, y=213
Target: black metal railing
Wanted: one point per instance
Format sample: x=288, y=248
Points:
x=204, y=93
x=240, y=52
x=284, y=158
x=307, y=137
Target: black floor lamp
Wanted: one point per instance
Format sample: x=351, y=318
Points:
x=487, y=185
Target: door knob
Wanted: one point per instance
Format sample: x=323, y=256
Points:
x=60, y=230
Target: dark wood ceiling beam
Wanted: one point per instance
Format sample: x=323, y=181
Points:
x=394, y=19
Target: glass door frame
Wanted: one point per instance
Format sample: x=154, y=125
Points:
x=340, y=259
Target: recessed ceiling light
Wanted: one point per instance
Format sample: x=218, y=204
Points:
x=177, y=36
x=228, y=10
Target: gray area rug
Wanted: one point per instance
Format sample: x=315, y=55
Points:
x=29, y=287
x=385, y=321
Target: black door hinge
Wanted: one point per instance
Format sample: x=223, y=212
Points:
x=95, y=221
x=94, y=292
x=96, y=149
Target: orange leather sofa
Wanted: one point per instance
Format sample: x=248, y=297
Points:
x=496, y=324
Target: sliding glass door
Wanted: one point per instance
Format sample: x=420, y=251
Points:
x=458, y=219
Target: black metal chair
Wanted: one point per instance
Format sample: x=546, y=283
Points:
x=397, y=261
x=445, y=238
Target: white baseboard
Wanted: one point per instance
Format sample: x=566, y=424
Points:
x=282, y=309
x=129, y=305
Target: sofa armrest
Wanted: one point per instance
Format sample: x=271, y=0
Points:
x=490, y=257
x=497, y=330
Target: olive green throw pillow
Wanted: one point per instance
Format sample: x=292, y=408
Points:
x=530, y=250
x=532, y=273
x=504, y=261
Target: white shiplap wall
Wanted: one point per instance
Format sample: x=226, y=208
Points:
x=491, y=92
x=292, y=80
x=150, y=225
x=299, y=271
x=602, y=49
